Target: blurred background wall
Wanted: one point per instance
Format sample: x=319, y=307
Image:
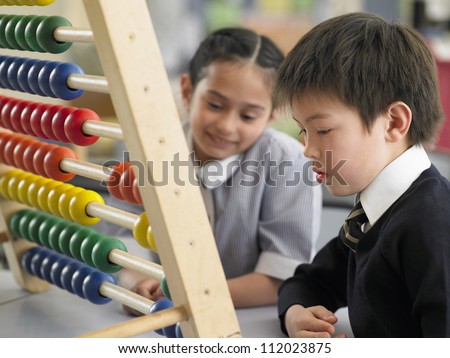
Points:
x=181, y=24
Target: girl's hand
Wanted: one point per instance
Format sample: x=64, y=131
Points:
x=148, y=288
x=311, y=322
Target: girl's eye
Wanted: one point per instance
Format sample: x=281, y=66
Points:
x=323, y=131
x=214, y=106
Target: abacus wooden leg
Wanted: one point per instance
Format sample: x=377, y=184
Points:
x=152, y=129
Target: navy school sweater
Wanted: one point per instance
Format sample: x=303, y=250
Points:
x=397, y=284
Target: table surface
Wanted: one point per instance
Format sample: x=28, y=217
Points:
x=57, y=313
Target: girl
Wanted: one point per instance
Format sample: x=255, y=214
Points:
x=263, y=209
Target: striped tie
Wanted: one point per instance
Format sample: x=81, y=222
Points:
x=352, y=231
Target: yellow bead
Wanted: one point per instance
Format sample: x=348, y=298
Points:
x=4, y=181
x=151, y=240
x=43, y=2
x=33, y=190
x=142, y=233
x=78, y=204
x=42, y=195
x=23, y=187
x=64, y=201
x=53, y=198
x=13, y=185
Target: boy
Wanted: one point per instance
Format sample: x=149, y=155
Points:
x=364, y=93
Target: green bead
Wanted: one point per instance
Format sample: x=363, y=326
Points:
x=30, y=33
x=101, y=251
x=44, y=34
x=14, y=221
x=19, y=32
x=24, y=222
x=54, y=233
x=10, y=33
x=3, y=22
x=44, y=229
x=164, y=287
x=65, y=237
x=75, y=242
x=88, y=244
x=34, y=225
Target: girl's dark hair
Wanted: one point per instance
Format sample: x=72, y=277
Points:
x=366, y=63
x=234, y=44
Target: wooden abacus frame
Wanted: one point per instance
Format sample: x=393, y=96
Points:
x=144, y=104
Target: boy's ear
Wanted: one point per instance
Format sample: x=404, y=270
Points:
x=273, y=115
x=186, y=89
x=399, y=117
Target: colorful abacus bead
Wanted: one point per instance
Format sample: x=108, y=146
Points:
x=52, y=162
x=78, y=204
x=73, y=126
x=142, y=233
x=160, y=305
x=58, y=81
x=44, y=34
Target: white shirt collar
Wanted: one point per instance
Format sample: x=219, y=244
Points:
x=393, y=181
x=214, y=172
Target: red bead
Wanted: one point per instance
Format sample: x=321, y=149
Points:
x=25, y=117
x=58, y=123
x=19, y=150
x=126, y=185
x=6, y=113
x=74, y=123
x=9, y=149
x=3, y=101
x=38, y=158
x=4, y=138
x=52, y=162
x=28, y=156
x=136, y=193
x=16, y=112
x=36, y=120
x=47, y=119
x=113, y=182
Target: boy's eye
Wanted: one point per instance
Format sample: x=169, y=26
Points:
x=247, y=117
x=323, y=131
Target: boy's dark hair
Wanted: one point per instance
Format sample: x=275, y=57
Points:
x=234, y=44
x=366, y=63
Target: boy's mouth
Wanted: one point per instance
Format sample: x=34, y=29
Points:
x=321, y=176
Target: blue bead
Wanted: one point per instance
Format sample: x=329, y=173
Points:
x=67, y=275
x=4, y=66
x=11, y=74
x=46, y=266
x=58, y=81
x=44, y=78
x=36, y=263
x=170, y=331
x=178, y=333
x=91, y=286
x=33, y=75
x=160, y=305
x=22, y=75
x=78, y=279
x=28, y=256
x=56, y=270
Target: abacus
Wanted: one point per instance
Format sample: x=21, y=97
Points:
x=45, y=221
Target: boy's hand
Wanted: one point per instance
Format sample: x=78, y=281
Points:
x=148, y=288
x=311, y=322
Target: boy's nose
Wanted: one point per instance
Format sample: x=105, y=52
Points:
x=310, y=150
